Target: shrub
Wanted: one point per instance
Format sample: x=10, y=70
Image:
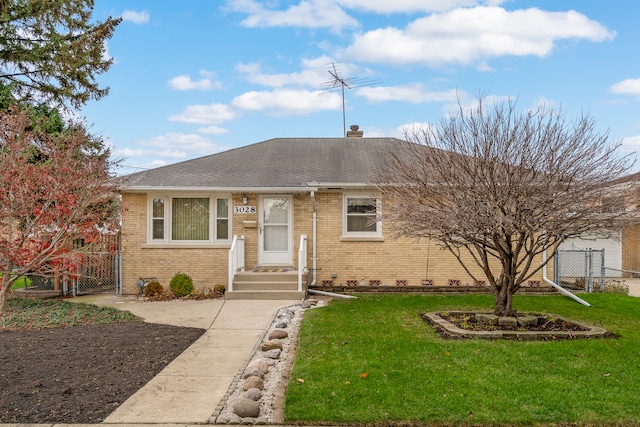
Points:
x=616, y=287
x=153, y=289
x=181, y=285
x=219, y=289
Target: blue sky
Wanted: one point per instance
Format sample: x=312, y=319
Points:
x=193, y=77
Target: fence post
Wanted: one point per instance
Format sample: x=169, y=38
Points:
x=602, y=271
x=587, y=270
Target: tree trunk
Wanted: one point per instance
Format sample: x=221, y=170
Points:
x=4, y=292
x=503, y=297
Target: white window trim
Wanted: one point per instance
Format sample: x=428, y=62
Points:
x=356, y=236
x=212, y=241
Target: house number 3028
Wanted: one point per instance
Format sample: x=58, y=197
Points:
x=244, y=209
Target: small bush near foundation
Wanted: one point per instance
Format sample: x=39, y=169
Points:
x=219, y=289
x=181, y=285
x=153, y=289
x=616, y=287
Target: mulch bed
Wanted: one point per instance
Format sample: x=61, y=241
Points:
x=81, y=374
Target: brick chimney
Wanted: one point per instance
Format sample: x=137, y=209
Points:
x=354, y=132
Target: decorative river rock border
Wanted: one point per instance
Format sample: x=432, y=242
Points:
x=256, y=395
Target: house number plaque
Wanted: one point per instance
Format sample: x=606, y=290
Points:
x=244, y=209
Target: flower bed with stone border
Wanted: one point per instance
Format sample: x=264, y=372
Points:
x=458, y=324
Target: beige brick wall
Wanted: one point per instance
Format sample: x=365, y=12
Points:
x=631, y=248
x=386, y=261
x=206, y=266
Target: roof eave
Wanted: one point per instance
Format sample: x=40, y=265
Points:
x=336, y=185
x=154, y=188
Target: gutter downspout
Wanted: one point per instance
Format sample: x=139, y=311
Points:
x=313, y=262
x=558, y=287
x=331, y=294
x=313, y=250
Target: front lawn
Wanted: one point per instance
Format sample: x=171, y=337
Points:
x=374, y=360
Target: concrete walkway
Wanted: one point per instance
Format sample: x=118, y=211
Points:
x=190, y=388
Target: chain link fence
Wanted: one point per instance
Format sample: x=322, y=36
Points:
x=580, y=270
x=97, y=272
x=585, y=270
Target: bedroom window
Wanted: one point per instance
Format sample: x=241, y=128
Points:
x=222, y=219
x=157, y=219
x=361, y=216
x=189, y=219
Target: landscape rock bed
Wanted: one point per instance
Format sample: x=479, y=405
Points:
x=457, y=324
x=256, y=396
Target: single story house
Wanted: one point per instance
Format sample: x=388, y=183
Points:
x=295, y=210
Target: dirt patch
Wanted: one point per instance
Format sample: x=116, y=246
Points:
x=81, y=374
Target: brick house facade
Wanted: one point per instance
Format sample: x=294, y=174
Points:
x=272, y=193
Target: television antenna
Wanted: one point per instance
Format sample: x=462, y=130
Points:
x=338, y=83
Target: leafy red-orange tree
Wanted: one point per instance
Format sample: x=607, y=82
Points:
x=55, y=190
x=497, y=187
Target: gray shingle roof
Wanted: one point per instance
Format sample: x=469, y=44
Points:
x=275, y=163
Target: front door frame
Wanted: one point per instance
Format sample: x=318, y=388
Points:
x=280, y=258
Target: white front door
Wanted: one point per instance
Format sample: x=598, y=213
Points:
x=275, y=230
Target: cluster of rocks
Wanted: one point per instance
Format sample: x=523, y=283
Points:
x=257, y=394
x=514, y=322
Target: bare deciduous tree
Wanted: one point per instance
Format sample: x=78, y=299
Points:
x=497, y=187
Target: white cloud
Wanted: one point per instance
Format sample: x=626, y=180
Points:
x=545, y=104
x=212, y=130
x=284, y=102
x=405, y=6
x=126, y=152
x=305, y=14
x=627, y=87
x=175, y=145
x=184, y=82
x=306, y=77
x=472, y=35
x=330, y=13
x=211, y=114
x=136, y=17
x=313, y=73
x=106, y=56
x=413, y=131
x=631, y=144
x=414, y=93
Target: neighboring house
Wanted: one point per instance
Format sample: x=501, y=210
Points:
x=269, y=196
x=622, y=247
x=612, y=251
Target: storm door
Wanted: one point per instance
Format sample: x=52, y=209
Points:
x=275, y=230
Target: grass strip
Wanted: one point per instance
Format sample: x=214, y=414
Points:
x=34, y=313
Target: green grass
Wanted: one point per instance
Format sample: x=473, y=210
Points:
x=373, y=360
x=20, y=283
x=33, y=313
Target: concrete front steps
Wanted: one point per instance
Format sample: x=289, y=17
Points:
x=267, y=285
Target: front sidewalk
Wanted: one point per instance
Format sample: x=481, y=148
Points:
x=190, y=388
